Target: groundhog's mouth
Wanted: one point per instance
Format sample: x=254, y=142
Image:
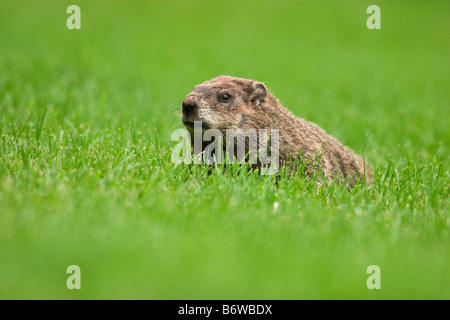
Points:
x=190, y=125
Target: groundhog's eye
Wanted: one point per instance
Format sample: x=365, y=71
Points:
x=224, y=97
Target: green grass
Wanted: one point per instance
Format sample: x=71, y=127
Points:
x=85, y=172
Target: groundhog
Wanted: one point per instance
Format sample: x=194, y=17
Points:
x=227, y=102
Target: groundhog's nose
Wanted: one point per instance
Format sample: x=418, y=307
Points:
x=188, y=105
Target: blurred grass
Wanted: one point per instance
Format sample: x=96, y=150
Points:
x=86, y=178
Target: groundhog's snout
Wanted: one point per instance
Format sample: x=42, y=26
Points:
x=188, y=107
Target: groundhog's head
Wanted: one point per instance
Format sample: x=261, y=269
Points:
x=222, y=103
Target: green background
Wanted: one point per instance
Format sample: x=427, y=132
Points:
x=85, y=172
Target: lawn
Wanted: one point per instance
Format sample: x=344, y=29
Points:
x=86, y=176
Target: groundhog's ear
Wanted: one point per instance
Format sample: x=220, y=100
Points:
x=258, y=94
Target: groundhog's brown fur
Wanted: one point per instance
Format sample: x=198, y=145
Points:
x=248, y=104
